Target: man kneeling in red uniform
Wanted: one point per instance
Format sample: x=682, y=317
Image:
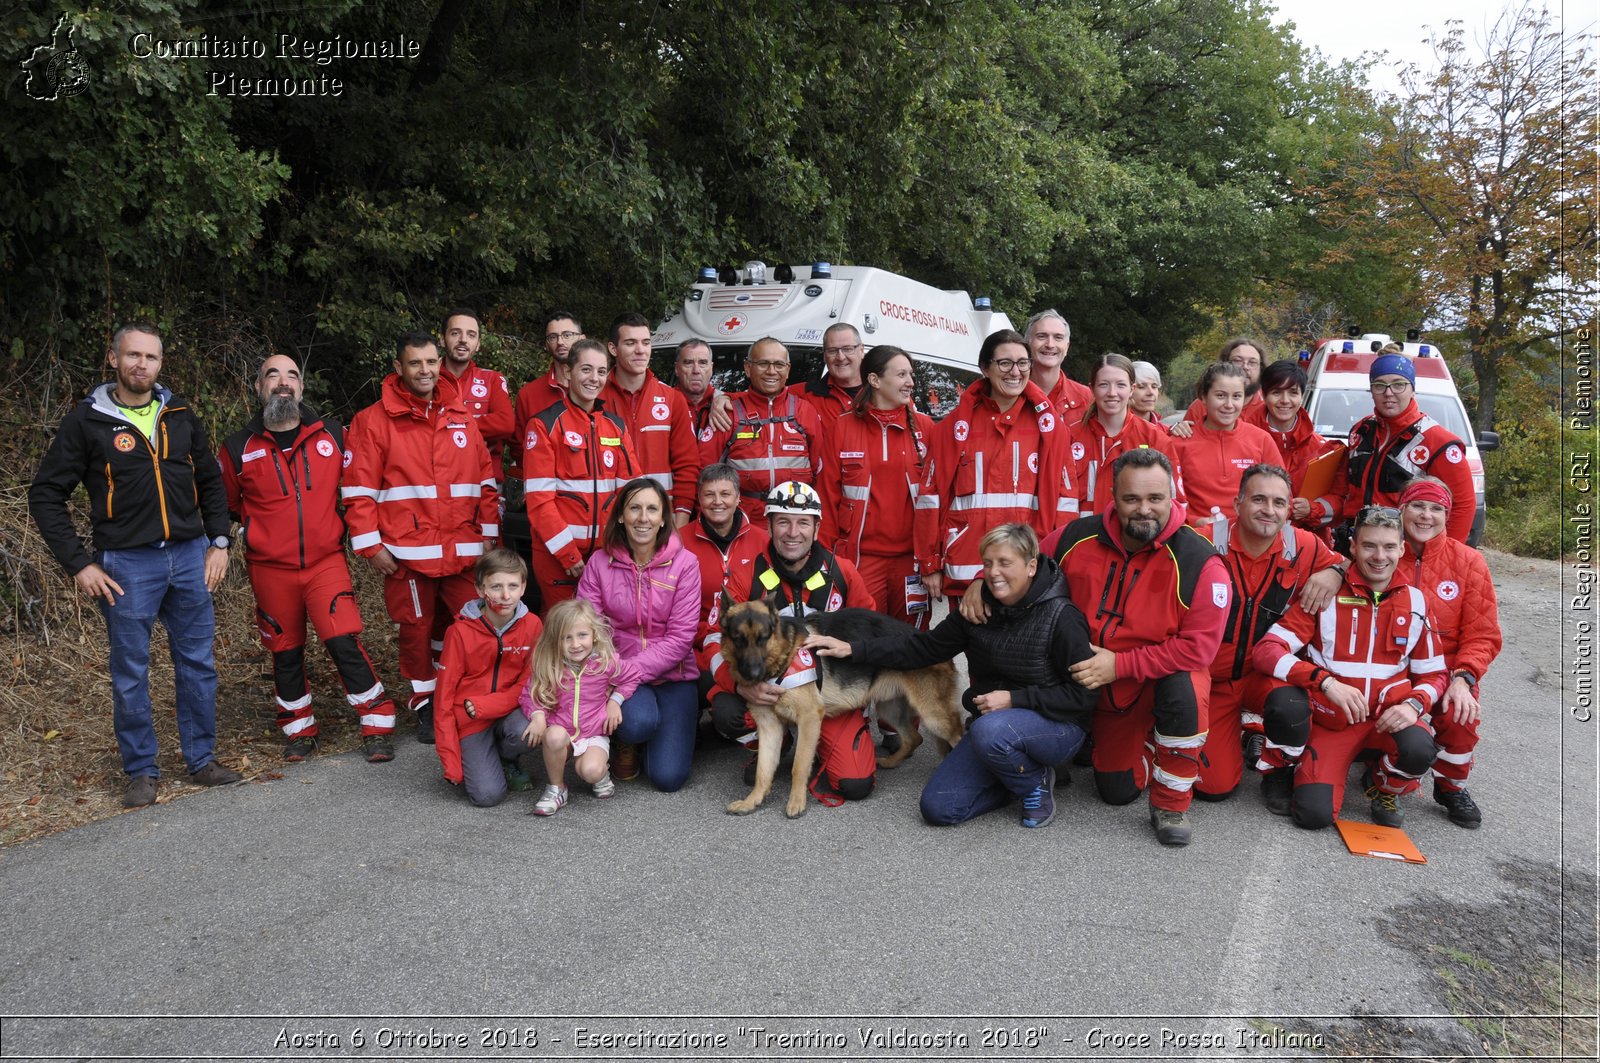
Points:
x=1370, y=674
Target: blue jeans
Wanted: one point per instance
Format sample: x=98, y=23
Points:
x=663, y=717
x=1004, y=754
x=167, y=582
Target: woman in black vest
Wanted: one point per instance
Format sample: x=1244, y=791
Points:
x=1029, y=714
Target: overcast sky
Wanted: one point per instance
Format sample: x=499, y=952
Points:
x=1345, y=29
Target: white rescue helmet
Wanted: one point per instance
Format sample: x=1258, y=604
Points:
x=792, y=496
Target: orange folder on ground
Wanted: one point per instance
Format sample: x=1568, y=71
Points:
x=1322, y=471
x=1385, y=843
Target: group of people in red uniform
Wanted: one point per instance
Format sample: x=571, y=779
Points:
x=1220, y=621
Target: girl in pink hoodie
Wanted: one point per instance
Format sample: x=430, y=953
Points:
x=573, y=700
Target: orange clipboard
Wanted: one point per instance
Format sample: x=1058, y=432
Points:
x=1322, y=471
x=1384, y=843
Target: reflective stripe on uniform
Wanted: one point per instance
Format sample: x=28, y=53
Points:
x=366, y=539
x=999, y=500
x=586, y=486
x=415, y=553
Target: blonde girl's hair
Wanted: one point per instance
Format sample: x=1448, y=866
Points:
x=549, y=666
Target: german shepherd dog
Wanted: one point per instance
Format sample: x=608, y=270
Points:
x=759, y=645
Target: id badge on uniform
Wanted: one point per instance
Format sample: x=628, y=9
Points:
x=916, y=595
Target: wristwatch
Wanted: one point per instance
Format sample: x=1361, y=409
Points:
x=221, y=542
x=1472, y=680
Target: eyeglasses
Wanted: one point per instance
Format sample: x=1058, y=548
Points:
x=1396, y=388
x=550, y=337
x=1011, y=365
x=834, y=352
x=1378, y=516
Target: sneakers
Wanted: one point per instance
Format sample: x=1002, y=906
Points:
x=377, y=748
x=517, y=779
x=551, y=801
x=1462, y=809
x=213, y=774
x=625, y=761
x=1039, y=806
x=604, y=787
x=1172, y=828
x=424, y=710
x=299, y=748
x=1277, y=790
x=1385, y=806
x=141, y=791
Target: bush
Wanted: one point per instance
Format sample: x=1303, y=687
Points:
x=1531, y=528
x=1522, y=484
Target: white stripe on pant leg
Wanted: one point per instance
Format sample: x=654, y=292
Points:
x=416, y=601
x=365, y=696
x=1171, y=781
x=1250, y=717
x=295, y=705
x=1184, y=742
x=294, y=727
x=438, y=647
x=1455, y=758
x=375, y=720
x=423, y=686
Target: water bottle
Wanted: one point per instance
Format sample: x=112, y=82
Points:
x=1219, y=529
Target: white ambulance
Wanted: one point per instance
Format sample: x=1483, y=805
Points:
x=732, y=308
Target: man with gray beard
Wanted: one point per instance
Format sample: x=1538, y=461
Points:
x=281, y=472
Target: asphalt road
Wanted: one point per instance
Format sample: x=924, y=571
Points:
x=349, y=909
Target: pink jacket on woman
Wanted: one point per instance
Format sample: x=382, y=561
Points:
x=654, y=610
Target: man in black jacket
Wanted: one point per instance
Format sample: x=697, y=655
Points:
x=160, y=522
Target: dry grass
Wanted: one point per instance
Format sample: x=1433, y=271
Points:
x=61, y=765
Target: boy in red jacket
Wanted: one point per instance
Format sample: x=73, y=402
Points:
x=488, y=654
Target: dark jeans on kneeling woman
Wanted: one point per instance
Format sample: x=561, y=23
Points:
x=1004, y=755
x=663, y=717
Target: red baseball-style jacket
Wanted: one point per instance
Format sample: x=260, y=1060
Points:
x=417, y=480
x=871, y=483
x=287, y=500
x=535, y=396
x=718, y=564
x=1212, y=463
x=772, y=440
x=1093, y=452
x=1466, y=615
x=487, y=397
x=989, y=468
x=662, y=427
x=1378, y=643
x=490, y=667
x=1263, y=589
x=1384, y=456
x=830, y=400
x=572, y=464
x=1297, y=448
x=1161, y=608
